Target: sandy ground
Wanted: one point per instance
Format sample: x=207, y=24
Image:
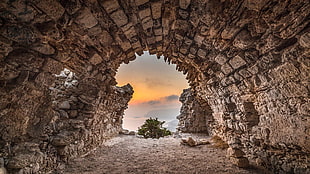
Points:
x=130, y=154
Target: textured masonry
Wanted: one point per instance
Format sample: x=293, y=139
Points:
x=247, y=63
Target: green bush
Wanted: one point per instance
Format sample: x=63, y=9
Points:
x=152, y=128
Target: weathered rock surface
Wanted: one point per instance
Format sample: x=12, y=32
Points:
x=247, y=63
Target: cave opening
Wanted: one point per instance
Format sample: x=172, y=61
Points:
x=157, y=87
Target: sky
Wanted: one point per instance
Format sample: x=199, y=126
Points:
x=157, y=87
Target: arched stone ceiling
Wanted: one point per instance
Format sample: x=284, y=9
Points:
x=247, y=60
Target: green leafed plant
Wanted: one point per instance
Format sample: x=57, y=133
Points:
x=152, y=128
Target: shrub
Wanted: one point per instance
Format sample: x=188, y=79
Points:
x=152, y=128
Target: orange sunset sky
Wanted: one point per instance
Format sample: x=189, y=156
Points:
x=157, y=87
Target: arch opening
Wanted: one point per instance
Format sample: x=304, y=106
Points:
x=157, y=87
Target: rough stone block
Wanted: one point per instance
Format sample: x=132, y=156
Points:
x=105, y=37
x=159, y=38
x=156, y=9
x=245, y=73
x=140, y=2
x=236, y=62
x=145, y=13
x=304, y=40
x=183, y=14
x=147, y=23
x=199, y=39
x=255, y=5
x=202, y=53
x=53, y=66
x=240, y=162
x=44, y=49
x=158, y=32
x=86, y=18
x=243, y=40
x=184, y=3
x=119, y=17
x=110, y=5
x=52, y=8
x=221, y=59
x=96, y=59
x=226, y=68
x=64, y=105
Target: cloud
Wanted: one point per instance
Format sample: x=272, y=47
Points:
x=163, y=100
x=171, y=97
x=153, y=102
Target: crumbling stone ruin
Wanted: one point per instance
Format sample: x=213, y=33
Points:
x=247, y=63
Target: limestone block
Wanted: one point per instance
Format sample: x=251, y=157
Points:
x=255, y=5
x=235, y=152
x=183, y=14
x=184, y=3
x=119, y=17
x=147, y=23
x=240, y=162
x=159, y=38
x=236, y=62
x=304, y=40
x=158, y=31
x=156, y=9
x=226, y=68
x=53, y=66
x=44, y=49
x=199, y=39
x=243, y=40
x=140, y=2
x=144, y=13
x=96, y=59
x=245, y=73
x=202, y=53
x=64, y=105
x=204, y=30
x=51, y=8
x=293, y=89
x=110, y=5
x=86, y=18
x=221, y=59
x=105, y=38
x=129, y=31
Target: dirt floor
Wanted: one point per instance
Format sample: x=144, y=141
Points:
x=130, y=154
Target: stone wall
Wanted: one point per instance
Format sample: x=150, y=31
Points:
x=195, y=115
x=247, y=60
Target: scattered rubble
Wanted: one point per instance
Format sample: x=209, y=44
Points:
x=192, y=142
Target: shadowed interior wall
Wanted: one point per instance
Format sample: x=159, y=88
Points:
x=248, y=61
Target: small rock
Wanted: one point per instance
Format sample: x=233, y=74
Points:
x=73, y=113
x=64, y=105
x=63, y=114
x=132, y=133
x=235, y=152
x=240, y=162
x=189, y=141
x=203, y=142
x=124, y=131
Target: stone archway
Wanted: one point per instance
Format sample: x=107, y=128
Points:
x=248, y=60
